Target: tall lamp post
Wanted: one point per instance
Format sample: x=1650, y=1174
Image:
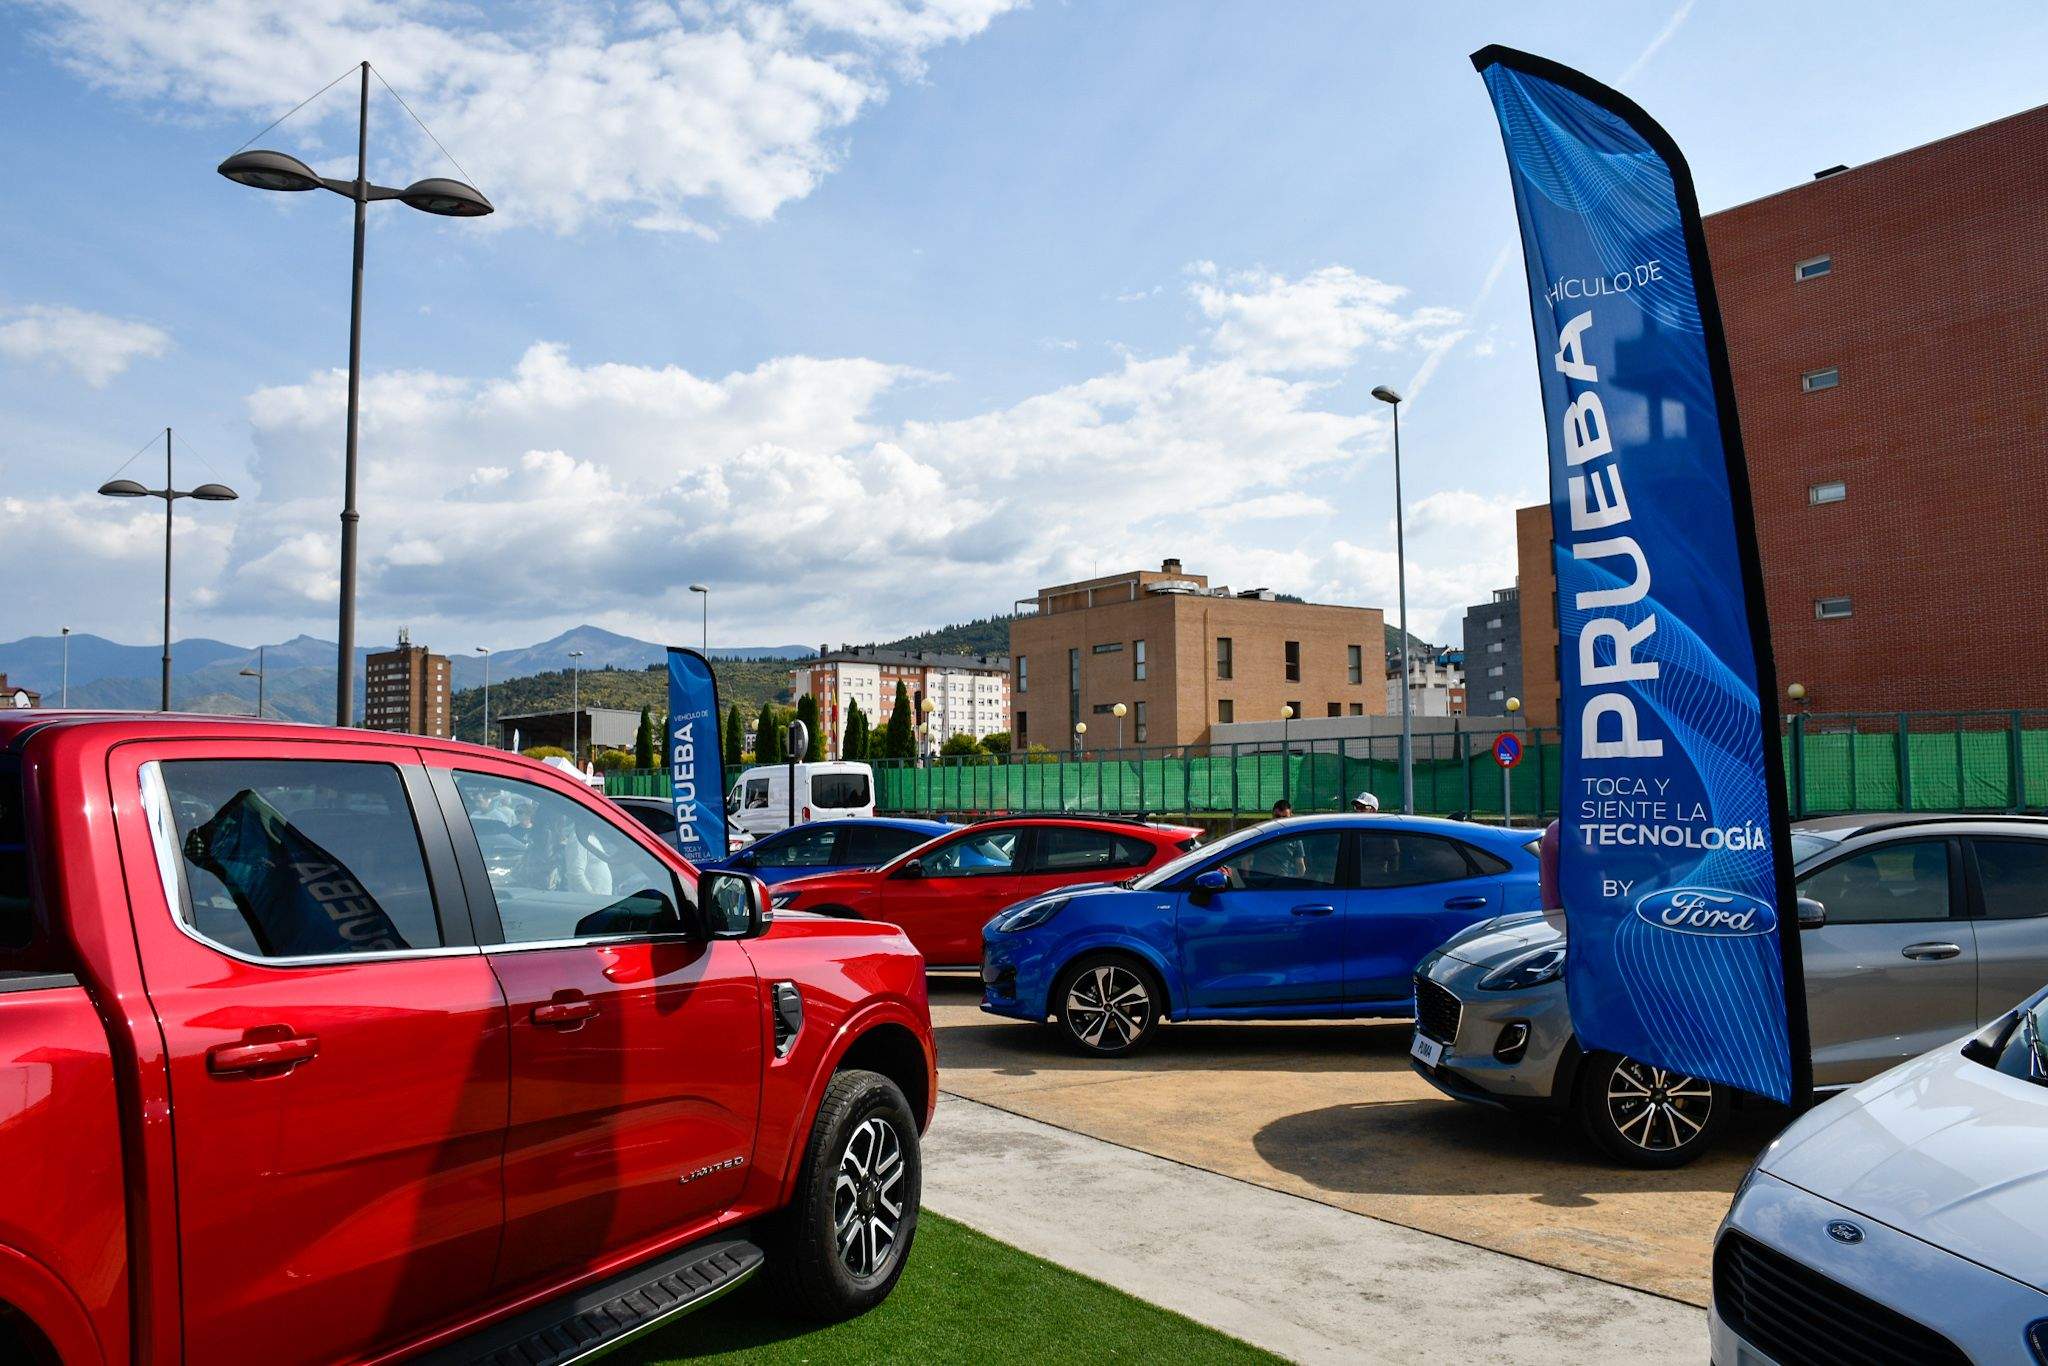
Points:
x=1507, y=793
x=1286, y=754
x=257, y=674
x=1118, y=711
x=205, y=493
x=487, y=694
x=575, y=709
x=928, y=707
x=64, y=696
x=449, y=198
x=1080, y=738
x=704, y=628
x=1393, y=400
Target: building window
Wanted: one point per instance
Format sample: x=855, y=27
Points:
x=1336, y=709
x=1497, y=671
x=1294, y=662
x=1073, y=690
x=1223, y=656
x=1023, y=673
x=1496, y=695
x=1813, y=268
x=1226, y=711
x=1358, y=708
x=1494, y=647
x=1354, y=663
x=1138, y=661
x=1832, y=492
x=1138, y=732
x=1813, y=381
x=1022, y=739
x=1827, y=609
x=1493, y=623
x=1114, y=647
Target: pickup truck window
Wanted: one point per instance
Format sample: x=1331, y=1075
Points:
x=284, y=858
x=17, y=915
x=558, y=871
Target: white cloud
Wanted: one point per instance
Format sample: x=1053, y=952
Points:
x=92, y=345
x=1321, y=321
x=652, y=115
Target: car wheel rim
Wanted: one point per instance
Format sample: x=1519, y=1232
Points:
x=868, y=1198
x=1656, y=1110
x=1108, y=1007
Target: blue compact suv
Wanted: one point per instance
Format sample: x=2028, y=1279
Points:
x=1314, y=917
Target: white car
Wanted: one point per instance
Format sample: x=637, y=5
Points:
x=759, y=803
x=1905, y=1221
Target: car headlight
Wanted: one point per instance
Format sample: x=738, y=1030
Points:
x=1030, y=915
x=1533, y=969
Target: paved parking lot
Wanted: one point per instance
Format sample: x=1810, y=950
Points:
x=1331, y=1112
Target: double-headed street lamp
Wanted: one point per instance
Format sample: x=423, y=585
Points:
x=128, y=488
x=437, y=195
x=1393, y=400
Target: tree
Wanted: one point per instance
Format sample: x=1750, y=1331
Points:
x=545, y=752
x=735, y=737
x=853, y=740
x=807, y=712
x=612, y=760
x=900, y=742
x=767, y=736
x=643, y=741
x=996, y=742
x=966, y=748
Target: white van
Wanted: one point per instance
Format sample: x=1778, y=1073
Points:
x=759, y=802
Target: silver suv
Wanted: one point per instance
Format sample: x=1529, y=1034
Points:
x=1914, y=929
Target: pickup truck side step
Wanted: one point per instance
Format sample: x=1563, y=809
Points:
x=610, y=1314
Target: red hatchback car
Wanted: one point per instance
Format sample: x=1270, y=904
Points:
x=941, y=894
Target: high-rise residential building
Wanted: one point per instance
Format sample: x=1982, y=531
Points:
x=1885, y=332
x=408, y=689
x=1182, y=656
x=1436, y=682
x=1493, y=653
x=970, y=694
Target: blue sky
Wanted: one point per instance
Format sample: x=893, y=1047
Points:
x=874, y=314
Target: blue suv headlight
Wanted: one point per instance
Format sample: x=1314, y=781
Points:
x=1030, y=915
x=1534, y=969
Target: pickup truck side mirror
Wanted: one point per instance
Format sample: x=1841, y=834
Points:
x=735, y=904
x=1207, y=883
x=912, y=870
x=1812, y=915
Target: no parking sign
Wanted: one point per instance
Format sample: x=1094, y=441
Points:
x=1507, y=749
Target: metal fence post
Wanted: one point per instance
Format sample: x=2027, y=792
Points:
x=1797, y=768
x=1905, y=757
x=1233, y=784
x=1962, y=772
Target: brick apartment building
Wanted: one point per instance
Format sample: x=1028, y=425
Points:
x=970, y=694
x=1888, y=331
x=1183, y=656
x=407, y=689
x=11, y=696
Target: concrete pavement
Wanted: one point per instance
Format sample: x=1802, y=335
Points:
x=1296, y=1277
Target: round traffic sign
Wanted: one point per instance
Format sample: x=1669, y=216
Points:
x=1507, y=749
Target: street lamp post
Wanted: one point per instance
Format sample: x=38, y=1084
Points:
x=1507, y=793
x=704, y=627
x=449, y=198
x=205, y=493
x=575, y=710
x=487, y=694
x=1286, y=754
x=257, y=674
x=1118, y=711
x=64, y=696
x=1393, y=400
x=927, y=706
x=1080, y=738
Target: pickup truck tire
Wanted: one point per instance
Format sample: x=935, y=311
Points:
x=840, y=1247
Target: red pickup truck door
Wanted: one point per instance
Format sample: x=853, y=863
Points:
x=336, y=1042
x=636, y=1041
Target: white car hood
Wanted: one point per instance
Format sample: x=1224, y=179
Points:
x=1942, y=1148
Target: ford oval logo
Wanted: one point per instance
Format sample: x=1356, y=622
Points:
x=1708, y=911
x=1842, y=1231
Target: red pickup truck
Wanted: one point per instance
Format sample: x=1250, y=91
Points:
x=326, y=1045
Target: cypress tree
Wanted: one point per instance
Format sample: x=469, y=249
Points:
x=807, y=712
x=735, y=737
x=643, y=741
x=767, y=736
x=853, y=744
x=900, y=742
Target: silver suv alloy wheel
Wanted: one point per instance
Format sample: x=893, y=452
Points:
x=1657, y=1110
x=1108, y=1006
x=867, y=1198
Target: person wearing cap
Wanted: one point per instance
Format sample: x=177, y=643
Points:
x=1366, y=803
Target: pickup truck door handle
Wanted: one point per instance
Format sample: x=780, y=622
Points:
x=565, y=1012
x=1466, y=903
x=262, y=1055
x=1922, y=952
x=1315, y=910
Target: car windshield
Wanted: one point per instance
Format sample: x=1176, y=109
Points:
x=1805, y=844
x=2021, y=1043
x=1201, y=853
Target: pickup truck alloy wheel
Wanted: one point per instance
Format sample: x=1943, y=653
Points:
x=1649, y=1116
x=1108, y=1004
x=867, y=1199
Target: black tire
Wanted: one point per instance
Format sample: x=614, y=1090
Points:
x=1644, y=1116
x=806, y=1263
x=1135, y=1001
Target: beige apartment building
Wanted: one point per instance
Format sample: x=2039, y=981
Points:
x=1182, y=656
x=408, y=689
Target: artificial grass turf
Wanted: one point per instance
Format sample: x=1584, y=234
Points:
x=964, y=1298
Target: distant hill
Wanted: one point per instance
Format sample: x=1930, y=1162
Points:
x=749, y=682
x=983, y=636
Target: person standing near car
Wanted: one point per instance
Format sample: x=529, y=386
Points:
x=1366, y=804
x=1282, y=809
